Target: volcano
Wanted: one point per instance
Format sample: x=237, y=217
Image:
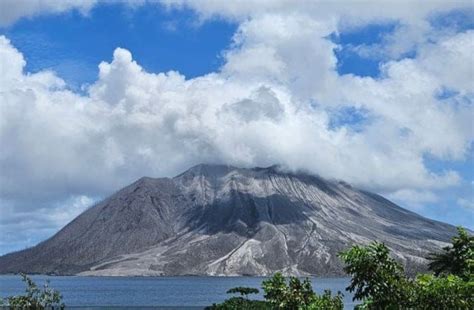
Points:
x=221, y=220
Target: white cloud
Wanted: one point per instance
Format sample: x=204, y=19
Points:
x=353, y=13
x=13, y=10
x=134, y=122
x=413, y=198
x=466, y=203
x=24, y=228
x=271, y=102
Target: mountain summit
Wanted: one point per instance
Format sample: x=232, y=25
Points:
x=222, y=220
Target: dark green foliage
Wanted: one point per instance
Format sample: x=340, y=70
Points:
x=35, y=298
x=376, y=277
x=243, y=291
x=297, y=294
x=241, y=302
x=380, y=282
x=275, y=289
x=281, y=293
x=288, y=296
x=457, y=259
x=327, y=302
x=445, y=292
x=237, y=303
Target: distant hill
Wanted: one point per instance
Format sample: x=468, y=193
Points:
x=222, y=220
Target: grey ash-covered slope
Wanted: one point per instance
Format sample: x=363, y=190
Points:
x=222, y=220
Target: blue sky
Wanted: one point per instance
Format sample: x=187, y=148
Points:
x=349, y=78
x=160, y=39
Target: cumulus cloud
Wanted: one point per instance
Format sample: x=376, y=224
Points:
x=273, y=101
x=466, y=203
x=12, y=10
x=21, y=228
x=355, y=14
x=133, y=122
x=413, y=198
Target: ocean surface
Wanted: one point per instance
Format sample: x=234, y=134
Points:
x=142, y=292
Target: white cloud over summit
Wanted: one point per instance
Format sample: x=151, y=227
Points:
x=273, y=101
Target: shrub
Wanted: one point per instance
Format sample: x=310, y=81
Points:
x=288, y=296
x=445, y=292
x=241, y=302
x=457, y=259
x=327, y=302
x=35, y=298
x=297, y=295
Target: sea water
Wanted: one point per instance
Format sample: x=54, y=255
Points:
x=157, y=292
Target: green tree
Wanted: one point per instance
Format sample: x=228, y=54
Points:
x=327, y=302
x=380, y=282
x=377, y=279
x=457, y=259
x=293, y=295
x=297, y=294
x=35, y=298
x=240, y=302
x=275, y=289
x=444, y=292
x=243, y=291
